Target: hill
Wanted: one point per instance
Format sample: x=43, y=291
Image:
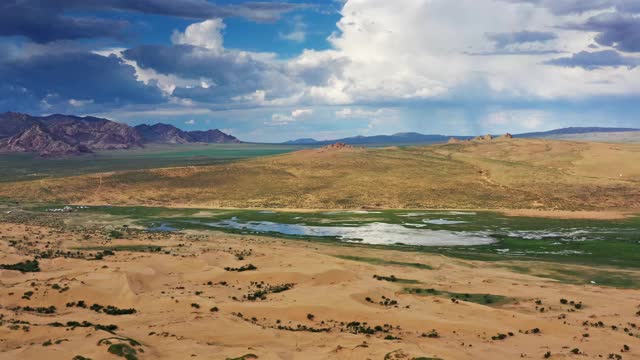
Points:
x=417, y=138
x=497, y=174
x=611, y=137
x=67, y=134
x=574, y=131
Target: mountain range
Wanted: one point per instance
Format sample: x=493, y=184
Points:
x=417, y=138
x=57, y=134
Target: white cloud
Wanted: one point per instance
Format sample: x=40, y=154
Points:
x=299, y=32
x=190, y=122
x=279, y=119
x=297, y=113
x=206, y=34
x=80, y=103
x=357, y=113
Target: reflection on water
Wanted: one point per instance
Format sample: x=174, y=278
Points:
x=161, y=227
x=374, y=233
x=444, y=222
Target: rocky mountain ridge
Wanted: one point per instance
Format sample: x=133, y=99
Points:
x=57, y=134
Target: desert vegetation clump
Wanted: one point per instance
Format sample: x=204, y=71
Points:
x=431, y=334
x=262, y=290
x=40, y=310
x=25, y=266
x=248, y=267
x=109, y=309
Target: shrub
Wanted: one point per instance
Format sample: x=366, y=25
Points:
x=432, y=334
x=123, y=350
x=115, y=234
x=25, y=266
x=249, y=267
x=499, y=337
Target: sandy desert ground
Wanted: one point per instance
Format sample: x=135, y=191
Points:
x=304, y=300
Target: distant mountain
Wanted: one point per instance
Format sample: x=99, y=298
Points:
x=212, y=136
x=63, y=134
x=169, y=134
x=399, y=138
x=417, y=138
x=39, y=139
x=12, y=123
x=303, y=141
x=66, y=134
x=573, y=131
x=91, y=132
x=163, y=133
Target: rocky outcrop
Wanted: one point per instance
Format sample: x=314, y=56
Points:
x=338, y=146
x=484, y=138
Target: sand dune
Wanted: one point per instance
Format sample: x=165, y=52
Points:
x=327, y=293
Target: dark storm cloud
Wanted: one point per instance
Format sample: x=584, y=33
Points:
x=566, y=7
x=46, y=21
x=621, y=31
x=595, y=60
x=521, y=37
x=195, y=9
x=28, y=83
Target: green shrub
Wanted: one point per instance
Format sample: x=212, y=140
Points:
x=123, y=350
x=25, y=266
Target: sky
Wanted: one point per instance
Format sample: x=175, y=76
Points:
x=326, y=69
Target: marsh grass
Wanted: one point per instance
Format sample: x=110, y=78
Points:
x=483, y=299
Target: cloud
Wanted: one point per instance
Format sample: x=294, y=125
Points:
x=618, y=30
x=80, y=103
x=69, y=80
x=206, y=34
x=46, y=21
x=297, y=113
x=566, y=7
x=503, y=40
x=299, y=32
x=201, y=69
x=190, y=122
x=596, y=60
x=279, y=119
x=357, y=113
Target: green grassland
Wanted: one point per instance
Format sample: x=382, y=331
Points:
x=16, y=167
x=607, y=243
